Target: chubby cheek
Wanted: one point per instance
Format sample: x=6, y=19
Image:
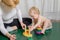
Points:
x=35, y=16
x=32, y=14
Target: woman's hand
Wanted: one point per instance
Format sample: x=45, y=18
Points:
x=12, y=37
x=23, y=25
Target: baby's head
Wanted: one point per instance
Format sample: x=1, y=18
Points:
x=34, y=12
x=10, y=3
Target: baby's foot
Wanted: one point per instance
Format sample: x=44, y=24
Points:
x=42, y=32
x=11, y=28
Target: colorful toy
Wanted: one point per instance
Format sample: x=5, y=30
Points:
x=38, y=30
x=27, y=33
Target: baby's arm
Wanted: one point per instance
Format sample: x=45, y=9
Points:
x=34, y=25
x=38, y=23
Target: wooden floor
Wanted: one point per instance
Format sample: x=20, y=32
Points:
x=53, y=34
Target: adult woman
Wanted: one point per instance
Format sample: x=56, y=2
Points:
x=9, y=13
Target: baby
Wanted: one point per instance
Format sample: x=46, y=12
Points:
x=39, y=21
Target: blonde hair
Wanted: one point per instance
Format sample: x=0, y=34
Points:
x=34, y=8
x=17, y=1
x=10, y=2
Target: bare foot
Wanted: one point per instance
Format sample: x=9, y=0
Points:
x=42, y=32
x=14, y=27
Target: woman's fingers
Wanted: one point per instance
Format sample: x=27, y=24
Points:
x=13, y=37
x=23, y=26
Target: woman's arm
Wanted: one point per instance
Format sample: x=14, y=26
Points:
x=2, y=28
x=20, y=18
x=19, y=15
x=4, y=31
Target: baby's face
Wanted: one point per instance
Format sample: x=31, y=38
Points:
x=34, y=14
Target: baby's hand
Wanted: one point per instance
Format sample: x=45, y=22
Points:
x=31, y=28
x=13, y=37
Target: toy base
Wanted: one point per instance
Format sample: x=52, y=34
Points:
x=27, y=34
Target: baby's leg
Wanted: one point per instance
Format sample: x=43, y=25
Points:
x=47, y=26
